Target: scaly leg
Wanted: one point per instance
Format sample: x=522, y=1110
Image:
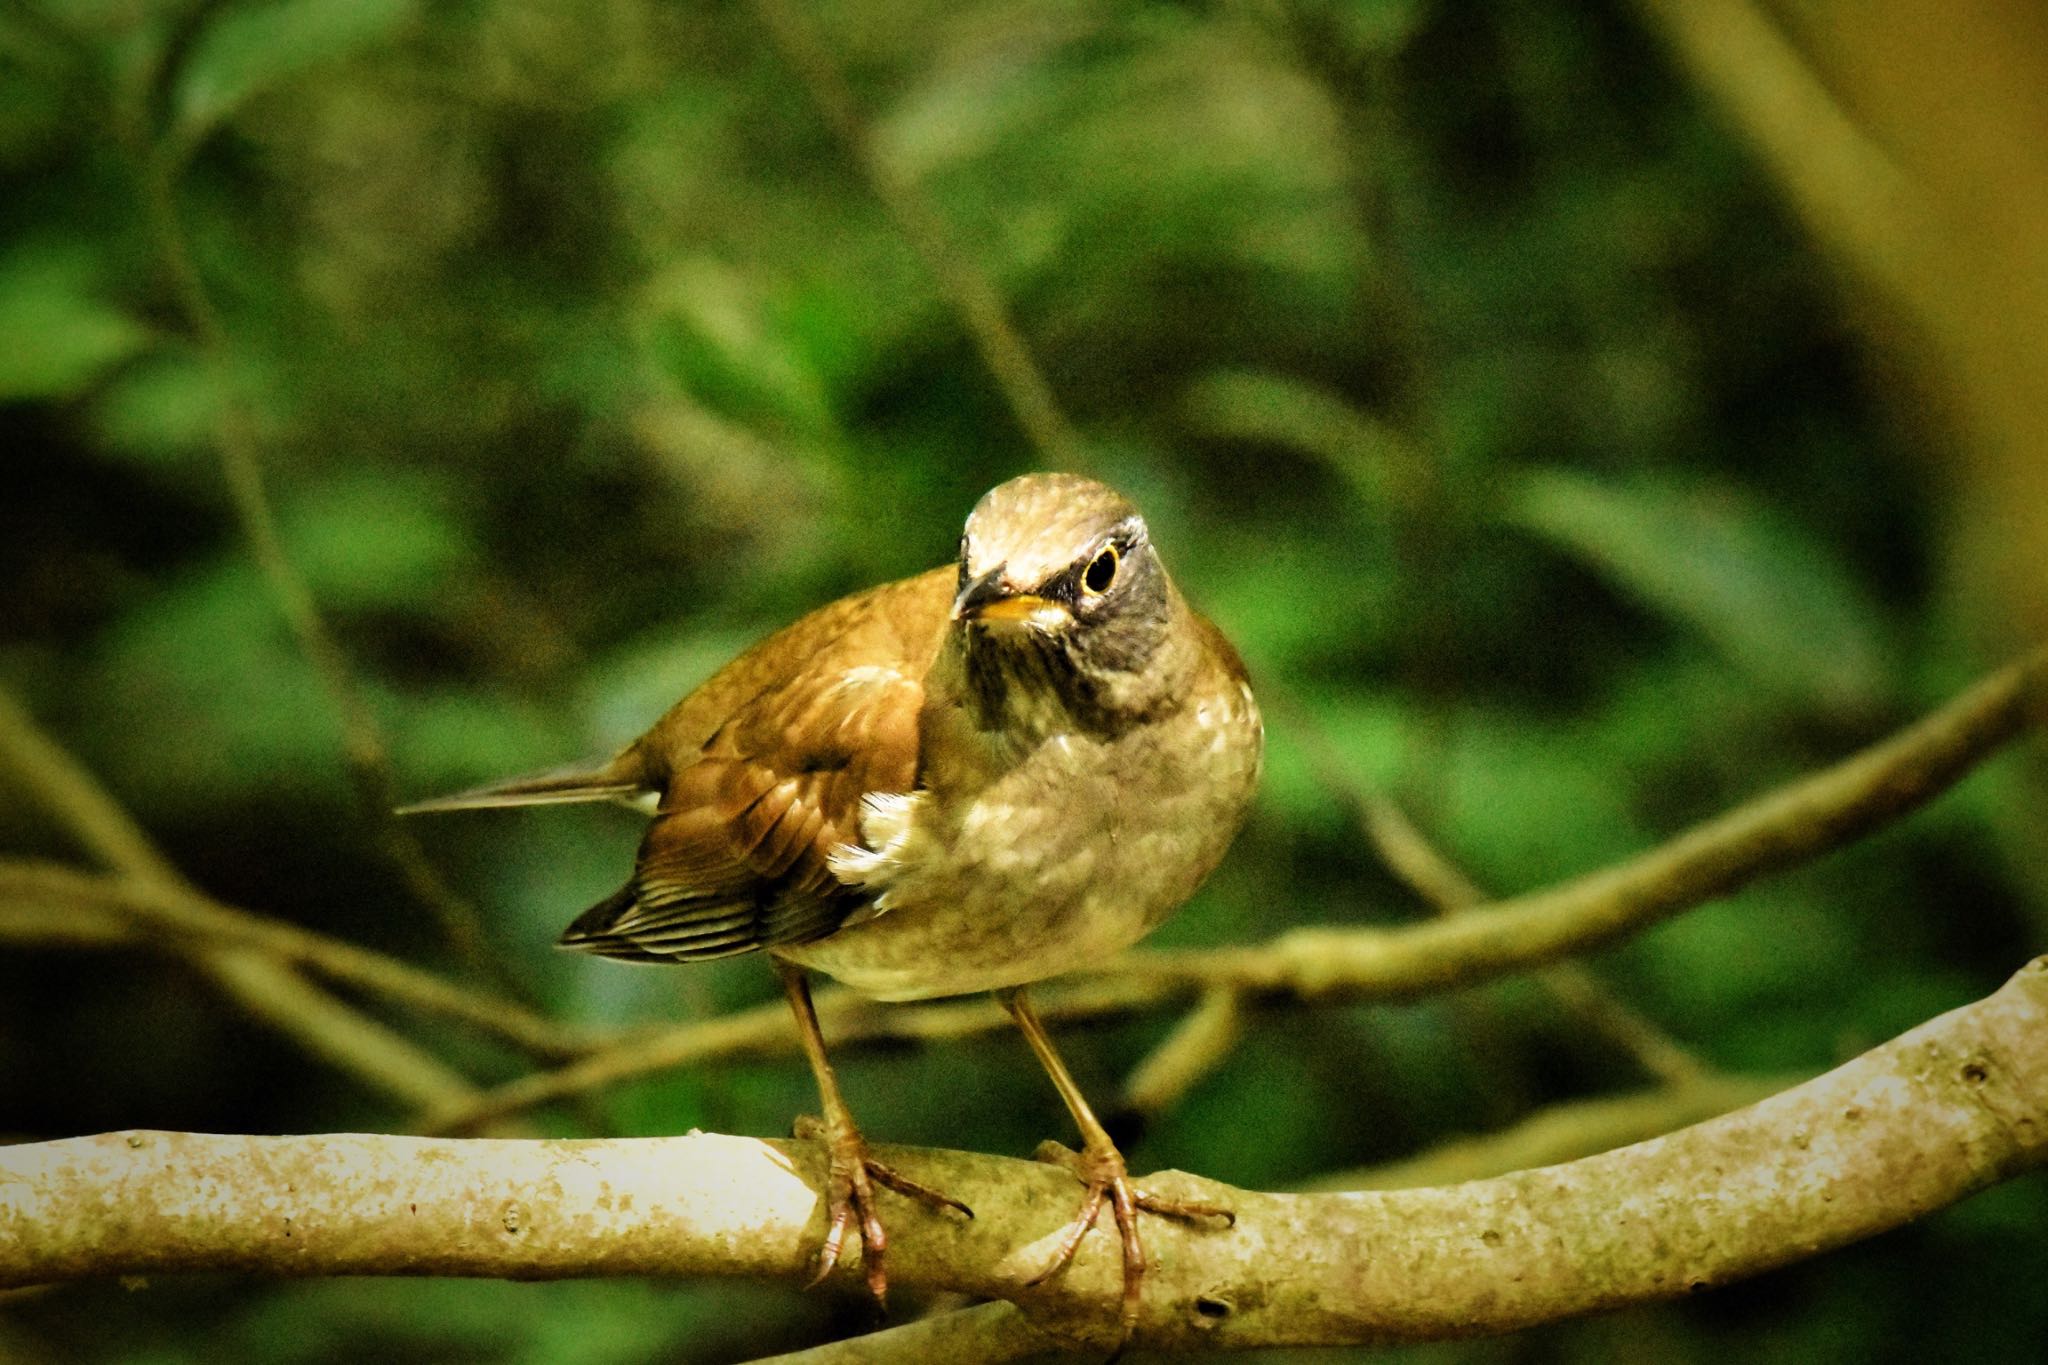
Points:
x=853, y=1174
x=1100, y=1168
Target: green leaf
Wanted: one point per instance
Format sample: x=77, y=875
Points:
x=57, y=336
x=260, y=47
x=374, y=540
x=1358, y=739
x=722, y=336
x=1757, y=586
x=1526, y=805
x=162, y=411
x=230, y=709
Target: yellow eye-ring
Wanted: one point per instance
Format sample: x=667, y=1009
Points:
x=1100, y=573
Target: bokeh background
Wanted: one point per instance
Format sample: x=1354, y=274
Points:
x=1581, y=415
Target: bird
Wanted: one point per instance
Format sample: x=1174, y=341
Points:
x=969, y=780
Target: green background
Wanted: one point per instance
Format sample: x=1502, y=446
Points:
x=1471, y=374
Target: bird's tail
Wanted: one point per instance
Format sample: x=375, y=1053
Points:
x=621, y=777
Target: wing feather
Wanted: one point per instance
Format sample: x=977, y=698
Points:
x=762, y=775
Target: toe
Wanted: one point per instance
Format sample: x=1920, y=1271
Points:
x=1134, y=1256
x=925, y=1194
x=1070, y=1238
x=1184, y=1210
x=835, y=1241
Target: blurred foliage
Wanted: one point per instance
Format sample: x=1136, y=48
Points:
x=1469, y=371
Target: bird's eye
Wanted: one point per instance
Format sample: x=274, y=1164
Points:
x=1100, y=573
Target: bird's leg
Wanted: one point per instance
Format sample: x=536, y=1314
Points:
x=852, y=1174
x=1100, y=1168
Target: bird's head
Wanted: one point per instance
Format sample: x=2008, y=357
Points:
x=1062, y=600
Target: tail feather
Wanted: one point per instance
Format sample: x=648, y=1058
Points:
x=616, y=779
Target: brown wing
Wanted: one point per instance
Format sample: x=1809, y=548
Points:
x=762, y=771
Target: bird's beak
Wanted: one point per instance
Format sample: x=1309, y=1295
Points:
x=986, y=601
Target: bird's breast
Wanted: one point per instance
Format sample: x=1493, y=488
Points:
x=1000, y=874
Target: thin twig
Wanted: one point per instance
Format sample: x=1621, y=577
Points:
x=1443, y=886
x=1794, y=824
x=1202, y=1041
x=367, y=757
x=1580, y=992
x=966, y=288
x=1573, y=985
x=64, y=926
x=264, y=987
x=331, y=1030
x=1422, y=867
x=762, y=1028
x=63, y=786
x=846, y=1018
x=187, y=918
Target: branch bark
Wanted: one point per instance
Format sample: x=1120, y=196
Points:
x=1798, y=822
x=1947, y=1109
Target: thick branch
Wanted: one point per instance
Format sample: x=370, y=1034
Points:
x=1953, y=1106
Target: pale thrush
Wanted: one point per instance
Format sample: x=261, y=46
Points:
x=969, y=780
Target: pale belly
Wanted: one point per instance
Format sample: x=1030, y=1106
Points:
x=1060, y=863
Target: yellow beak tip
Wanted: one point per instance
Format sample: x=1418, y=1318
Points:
x=1020, y=610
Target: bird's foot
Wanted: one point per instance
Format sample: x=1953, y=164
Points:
x=850, y=1201
x=1104, y=1178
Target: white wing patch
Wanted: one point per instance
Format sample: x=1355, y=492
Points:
x=886, y=821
